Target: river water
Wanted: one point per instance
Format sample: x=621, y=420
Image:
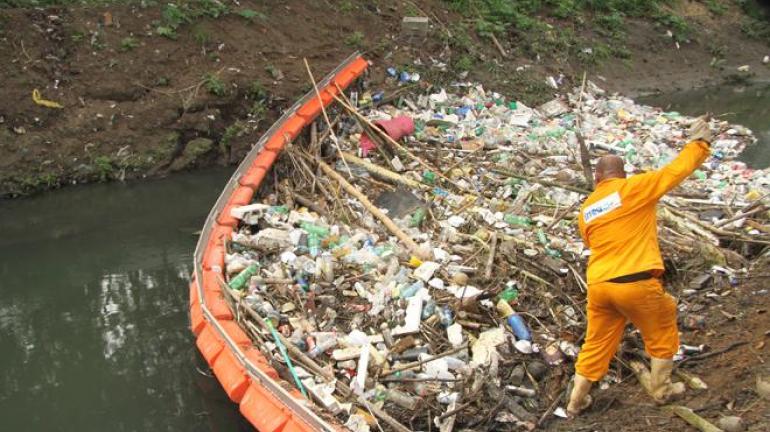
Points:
x=94, y=296
x=93, y=310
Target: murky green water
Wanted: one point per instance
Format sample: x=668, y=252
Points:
x=93, y=296
x=746, y=105
x=93, y=310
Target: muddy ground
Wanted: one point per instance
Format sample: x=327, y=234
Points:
x=137, y=103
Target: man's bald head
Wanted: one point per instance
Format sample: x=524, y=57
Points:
x=608, y=167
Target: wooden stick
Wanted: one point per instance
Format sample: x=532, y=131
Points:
x=508, y=173
x=693, y=419
x=376, y=212
x=413, y=365
x=739, y=216
x=326, y=117
x=585, y=157
x=398, y=146
x=499, y=47
x=382, y=172
x=712, y=353
x=491, y=257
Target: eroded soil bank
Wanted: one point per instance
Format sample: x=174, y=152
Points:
x=149, y=89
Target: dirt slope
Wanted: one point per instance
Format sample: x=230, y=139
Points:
x=137, y=103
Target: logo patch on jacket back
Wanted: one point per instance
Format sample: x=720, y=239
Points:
x=601, y=207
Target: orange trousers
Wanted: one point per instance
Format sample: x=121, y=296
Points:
x=610, y=306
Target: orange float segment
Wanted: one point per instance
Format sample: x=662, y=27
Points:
x=209, y=344
x=217, y=305
x=231, y=375
x=253, y=177
x=234, y=331
x=197, y=322
x=350, y=73
x=260, y=362
x=214, y=257
x=225, y=218
x=241, y=196
x=275, y=143
x=262, y=410
x=292, y=128
x=194, y=300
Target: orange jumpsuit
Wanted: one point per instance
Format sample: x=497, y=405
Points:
x=618, y=224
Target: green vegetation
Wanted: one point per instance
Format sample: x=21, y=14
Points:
x=104, y=167
x=716, y=7
x=214, y=84
x=355, y=39
x=346, y=6
x=256, y=91
x=538, y=29
x=201, y=36
x=251, y=14
x=233, y=131
x=128, y=43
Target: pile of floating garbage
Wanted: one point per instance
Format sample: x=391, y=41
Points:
x=418, y=265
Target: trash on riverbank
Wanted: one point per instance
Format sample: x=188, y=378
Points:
x=440, y=280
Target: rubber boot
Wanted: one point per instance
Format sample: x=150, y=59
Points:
x=579, y=398
x=661, y=387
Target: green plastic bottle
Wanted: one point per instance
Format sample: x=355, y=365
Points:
x=517, y=220
x=417, y=218
x=429, y=177
x=509, y=294
x=311, y=228
x=239, y=281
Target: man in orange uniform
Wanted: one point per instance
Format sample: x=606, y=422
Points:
x=618, y=224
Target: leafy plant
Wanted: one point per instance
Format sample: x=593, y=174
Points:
x=250, y=14
x=128, y=43
x=716, y=7
x=201, y=36
x=256, y=91
x=104, y=167
x=214, y=84
x=166, y=31
x=355, y=39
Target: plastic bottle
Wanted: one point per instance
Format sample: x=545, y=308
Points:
x=314, y=244
x=321, y=347
x=509, y=294
x=515, y=321
x=429, y=309
x=445, y=315
x=417, y=217
x=239, y=281
x=402, y=399
x=429, y=177
x=517, y=220
x=312, y=228
x=411, y=290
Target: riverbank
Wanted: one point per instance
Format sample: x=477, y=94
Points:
x=148, y=90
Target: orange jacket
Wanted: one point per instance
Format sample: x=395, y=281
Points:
x=618, y=220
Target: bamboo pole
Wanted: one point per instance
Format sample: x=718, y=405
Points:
x=326, y=117
x=376, y=212
x=413, y=365
x=585, y=157
x=693, y=419
x=382, y=172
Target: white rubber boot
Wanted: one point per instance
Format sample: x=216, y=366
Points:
x=579, y=399
x=661, y=387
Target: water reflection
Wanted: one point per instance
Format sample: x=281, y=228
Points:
x=745, y=105
x=93, y=310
